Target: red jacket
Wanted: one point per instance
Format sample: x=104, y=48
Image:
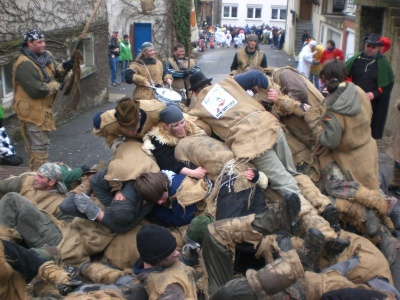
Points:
x=331, y=54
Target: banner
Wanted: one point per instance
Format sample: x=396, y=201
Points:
x=193, y=24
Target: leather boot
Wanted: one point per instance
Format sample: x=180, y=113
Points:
x=99, y=273
x=372, y=199
x=388, y=245
x=277, y=276
x=36, y=159
x=336, y=246
x=314, y=243
x=395, y=182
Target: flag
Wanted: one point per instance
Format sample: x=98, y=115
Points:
x=193, y=25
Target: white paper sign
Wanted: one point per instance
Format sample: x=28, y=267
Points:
x=218, y=101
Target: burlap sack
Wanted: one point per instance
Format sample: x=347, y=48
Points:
x=191, y=190
x=95, y=236
x=129, y=162
x=372, y=263
x=318, y=284
x=12, y=285
x=215, y=157
x=206, y=152
x=122, y=251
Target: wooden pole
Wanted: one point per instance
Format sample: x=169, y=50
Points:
x=190, y=33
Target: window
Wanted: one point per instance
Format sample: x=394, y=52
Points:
x=350, y=3
x=6, y=88
x=87, y=49
x=279, y=14
x=253, y=12
x=230, y=11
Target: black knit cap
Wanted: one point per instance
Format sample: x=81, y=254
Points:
x=155, y=243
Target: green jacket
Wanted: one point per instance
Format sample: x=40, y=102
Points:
x=385, y=72
x=125, y=51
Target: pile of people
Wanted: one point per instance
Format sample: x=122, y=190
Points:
x=262, y=188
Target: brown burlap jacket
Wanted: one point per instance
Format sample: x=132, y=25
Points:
x=244, y=61
x=245, y=126
x=394, y=149
x=357, y=152
x=36, y=111
x=153, y=73
x=156, y=283
x=44, y=200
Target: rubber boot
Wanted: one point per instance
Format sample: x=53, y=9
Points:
x=336, y=246
x=395, y=182
x=372, y=199
x=309, y=252
x=388, y=245
x=277, y=276
x=331, y=215
x=36, y=159
x=99, y=273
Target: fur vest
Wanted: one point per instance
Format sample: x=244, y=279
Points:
x=162, y=135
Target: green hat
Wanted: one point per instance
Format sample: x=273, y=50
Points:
x=198, y=227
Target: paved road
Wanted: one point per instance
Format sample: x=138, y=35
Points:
x=74, y=144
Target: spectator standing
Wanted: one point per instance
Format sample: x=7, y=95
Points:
x=35, y=76
x=113, y=56
x=371, y=71
x=125, y=55
x=306, y=58
x=316, y=66
x=331, y=52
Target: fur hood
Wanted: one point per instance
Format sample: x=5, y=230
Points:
x=162, y=135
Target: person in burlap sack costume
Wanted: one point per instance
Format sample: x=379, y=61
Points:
x=360, y=263
x=180, y=67
x=302, y=133
x=33, y=215
x=131, y=119
x=125, y=208
x=161, y=140
x=19, y=266
x=161, y=271
x=146, y=72
x=394, y=152
x=249, y=57
x=35, y=76
x=254, y=135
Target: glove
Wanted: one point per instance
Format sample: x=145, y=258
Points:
x=86, y=206
x=85, y=168
x=67, y=65
x=186, y=73
x=129, y=76
x=190, y=254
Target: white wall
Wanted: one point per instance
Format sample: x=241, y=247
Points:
x=266, y=11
